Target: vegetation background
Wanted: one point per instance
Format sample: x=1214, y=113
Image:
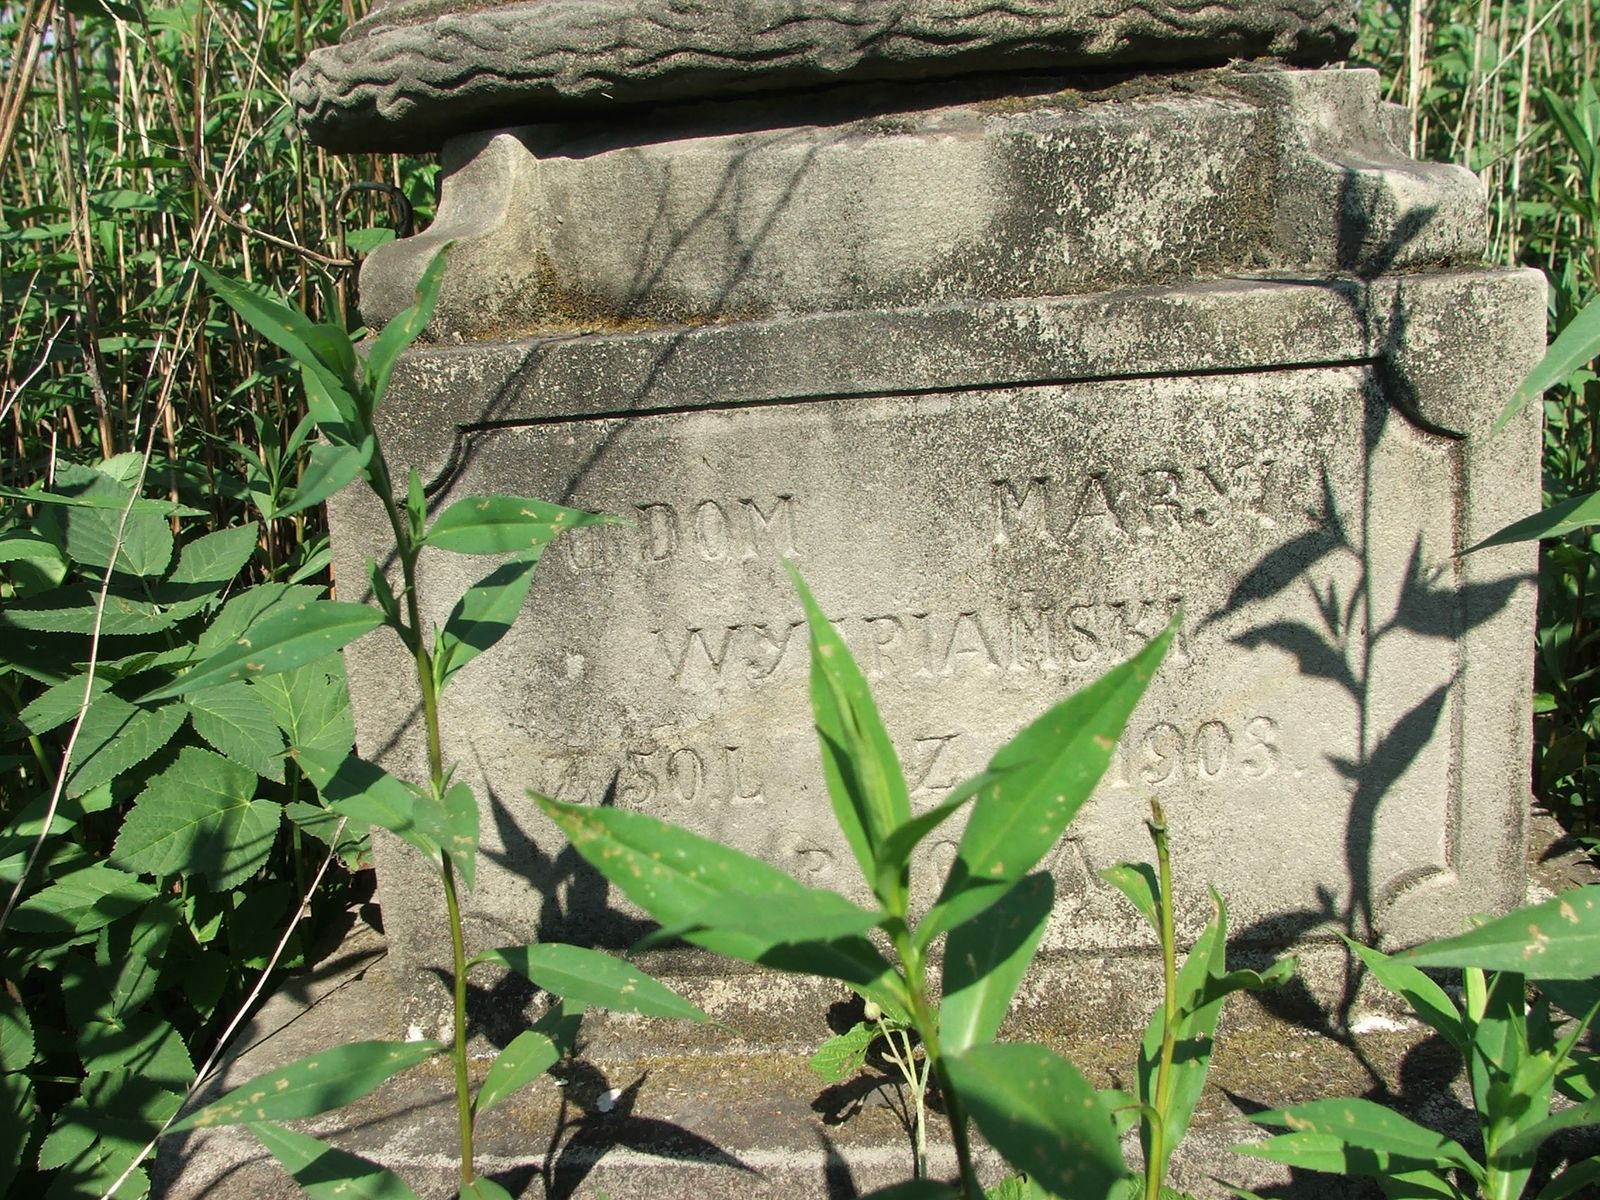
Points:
x=137, y=140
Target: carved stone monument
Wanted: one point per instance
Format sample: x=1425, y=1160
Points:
x=1020, y=331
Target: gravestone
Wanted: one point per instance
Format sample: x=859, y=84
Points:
x=1021, y=332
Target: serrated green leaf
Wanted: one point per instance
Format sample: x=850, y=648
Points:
x=142, y=1043
x=130, y=957
x=1559, y=939
x=311, y=704
x=59, y=703
x=863, y=775
x=484, y=614
x=325, y=1172
x=592, y=978
x=985, y=959
x=842, y=1055
x=199, y=817
x=278, y=643
x=214, y=560
x=324, y=825
x=16, y=1034
x=1369, y=1126
x=526, y=1058
x=116, y=737
x=99, y=1134
x=82, y=902
x=1040, y=1113
x=90, y=533
x=314, y=1084
x=18, y=545
x=239, y=725
x=1042, y=777
x=1427, y=998
x=680, y=879
x=73, y=609
x=368, y=795
x=16, y=1100
x=1138, y=882
x=330, y=468
x=504, y=525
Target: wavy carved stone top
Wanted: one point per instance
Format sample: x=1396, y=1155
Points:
x=415, y=72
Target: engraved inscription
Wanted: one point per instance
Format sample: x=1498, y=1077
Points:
x=1207, y=751
x=714, y=530
x=1036, y=635
x=1129, y=502
x=657, y=776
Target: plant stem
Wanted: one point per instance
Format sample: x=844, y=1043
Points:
x=923, y=1017
x=1155, y=1167
x=458, y=956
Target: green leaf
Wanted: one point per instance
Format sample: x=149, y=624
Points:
x=1330, y=1153
x=1578, y=512
x=104, y=1130
x=82, y=902
x=1369, y=1126
x=483, y=1188
x=279, y=643
x=1577, y=1176
x=405, y=328
x=590, y=977
x=1138, y=882
x=130, y=954
x=842, y=1056
x=813, y=914
x=19, y=545
x=1040, y=1113
x=116, y=737
x=249, y=607
x=985, y=959
x=330, y=468
x=143, y=1043
x=327, y=1173
x=859, y=764
x=59, y=703
x=312, y=706
x=287, y=328
x=1041, y=778
x=1559, y=939
x=903, y=839
x=368, y=795
x=17, y=1047
x=484, y=614
x=90, y=533
x=528, y=1056
x=453, y=823
x=1530, y=1139
x=1574, y=346
x=504, y=525
x=199, y=817
x=680, y=878
x=1427, y=998
x=914, y=1189
x=213, y=561
x=16, y=1100
x=314, y=1084
x=315, y=821
x=235, y=719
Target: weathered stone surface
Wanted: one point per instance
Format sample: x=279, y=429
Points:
x=412, y=74
x=1222, y=172
x=998, y=501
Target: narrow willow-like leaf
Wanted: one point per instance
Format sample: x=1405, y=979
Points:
x=1427, y=998
x=897, y=847
x=1138, y=882
x=1575, y=345
x=679, y=878
x=314, y=1084
x=842, y=1055
x=452, y=822
x=325, y=1172
x=985, y=959
x=330, y=468
x=1559, y=939
x=484, y=614
x=368, y=795
x=1331, y=1154
x=405, y=328
x=859, y=764
x=1041, y=779
x=528, y=1056
x=592, y=978
x=1578, y=512
x=808, y=915
x=1037, y=1110
x=1530, y=1139
x=504, y=525
x=279, y=643
x=1572, y=1181
x=1370, y=1126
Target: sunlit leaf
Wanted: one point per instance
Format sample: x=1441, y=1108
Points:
x=526, y=1058
x=985, y=959
x=325, y=1172
x=842, y=1055
x=504, y=525
x=314, y=1084
x=592, y=978
x=1559, y=939
x=1371, y=1126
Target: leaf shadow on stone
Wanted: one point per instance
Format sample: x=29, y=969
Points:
x=1434, y=603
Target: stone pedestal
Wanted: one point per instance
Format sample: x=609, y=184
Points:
x=1019, y=335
